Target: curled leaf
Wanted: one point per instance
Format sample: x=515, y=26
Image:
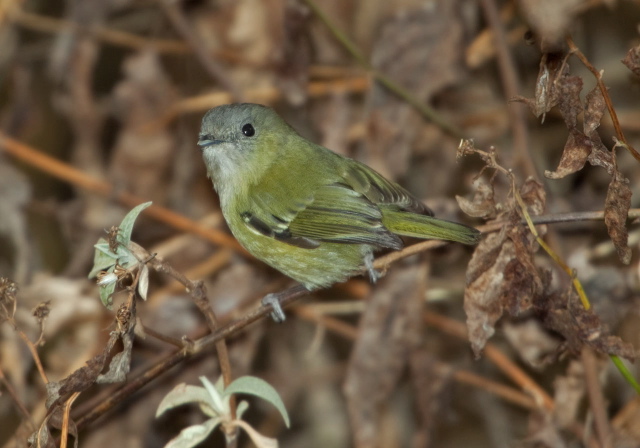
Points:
x=616, y=212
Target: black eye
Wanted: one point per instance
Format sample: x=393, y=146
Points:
x=248, y=130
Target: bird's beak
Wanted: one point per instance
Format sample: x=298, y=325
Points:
x=205, y=140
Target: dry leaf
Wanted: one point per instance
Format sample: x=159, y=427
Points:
x=388, y=333
x=551, y=68
x=564, y=314
x=432, y=382
x=616, y=212
x=483, y=204
x=421, y=50
x=501, y=275
x=569, y=392
x=632, y=60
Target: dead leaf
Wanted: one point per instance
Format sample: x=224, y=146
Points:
x=574, y=156
x=632, y=60
x=501, y=275
x=551, y=68
x=593, y=111
x=564, y=314
x=388, y=333
x=569, y=393
x=432, y=382
x=616, y=212
x=483, y=204
x=421, y=49
x=568, y=97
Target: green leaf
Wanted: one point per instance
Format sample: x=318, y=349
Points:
x=126, y=226
x=106, y=291
x=193, y=435
x=260, y=388
x=186, y=394
x=126, y=258
x=214, y=395
x=103, y=259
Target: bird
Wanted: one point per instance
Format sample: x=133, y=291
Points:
x=314, y=215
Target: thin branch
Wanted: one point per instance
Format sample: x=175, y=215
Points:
x=16, y=399
x=427, y=111
x=71, y=175
x=175, y=358
x=186, y=30
x=198, y=293
x=46, y=24
x=507, y=366
x=596, y=398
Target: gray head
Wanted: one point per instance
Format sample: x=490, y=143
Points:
x=238, y=140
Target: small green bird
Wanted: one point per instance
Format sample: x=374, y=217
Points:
x=310, y=213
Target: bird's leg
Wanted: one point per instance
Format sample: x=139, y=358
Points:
x=277, y=299
x=368, y=263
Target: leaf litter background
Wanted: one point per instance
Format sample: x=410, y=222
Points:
x=115, y=90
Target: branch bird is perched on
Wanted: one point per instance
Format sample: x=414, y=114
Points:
x=312, y=214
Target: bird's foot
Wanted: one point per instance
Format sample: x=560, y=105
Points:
x=275, y=300
x=368, y=263
x=277, y=313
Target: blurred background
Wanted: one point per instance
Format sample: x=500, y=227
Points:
x=100, y=107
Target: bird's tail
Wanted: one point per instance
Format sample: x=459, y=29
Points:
x=428, y=227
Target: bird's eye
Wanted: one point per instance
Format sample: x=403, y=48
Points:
x=248, y=130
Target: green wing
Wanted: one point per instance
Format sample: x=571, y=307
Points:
x=381, y=191
x=335, y=213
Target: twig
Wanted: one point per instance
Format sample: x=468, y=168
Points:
x=384, y=261
x=16, y=399
x=46, y=24
x=198, y=293
x=33, y=350
x=505, y=392
x=163, y=337
x=174, y=358
x=596, y=399
x=265, y=95
x=426, y=111
x=185, y=29
x=65, y=419
x=76, y=177
x=605, y=94
x=508, y=367
x=511, y=86
x=308, y=312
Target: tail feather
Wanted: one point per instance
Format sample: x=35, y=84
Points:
x=428, y=227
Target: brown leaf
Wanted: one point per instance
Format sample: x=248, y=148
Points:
x=483, y=204
x=501, y=275
x=569, y=392
x=616, y=212
x=545, y=96
x=632, y=60
x=294, y=58
x=388, y=334
x=576, y=153
x=431, y=385
x=593, y=111
x=569, y=104
x=564, y=314
x=422, y=50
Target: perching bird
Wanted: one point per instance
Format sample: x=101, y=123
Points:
x=310, y=213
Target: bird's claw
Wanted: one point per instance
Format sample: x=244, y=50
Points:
x=277, y=313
